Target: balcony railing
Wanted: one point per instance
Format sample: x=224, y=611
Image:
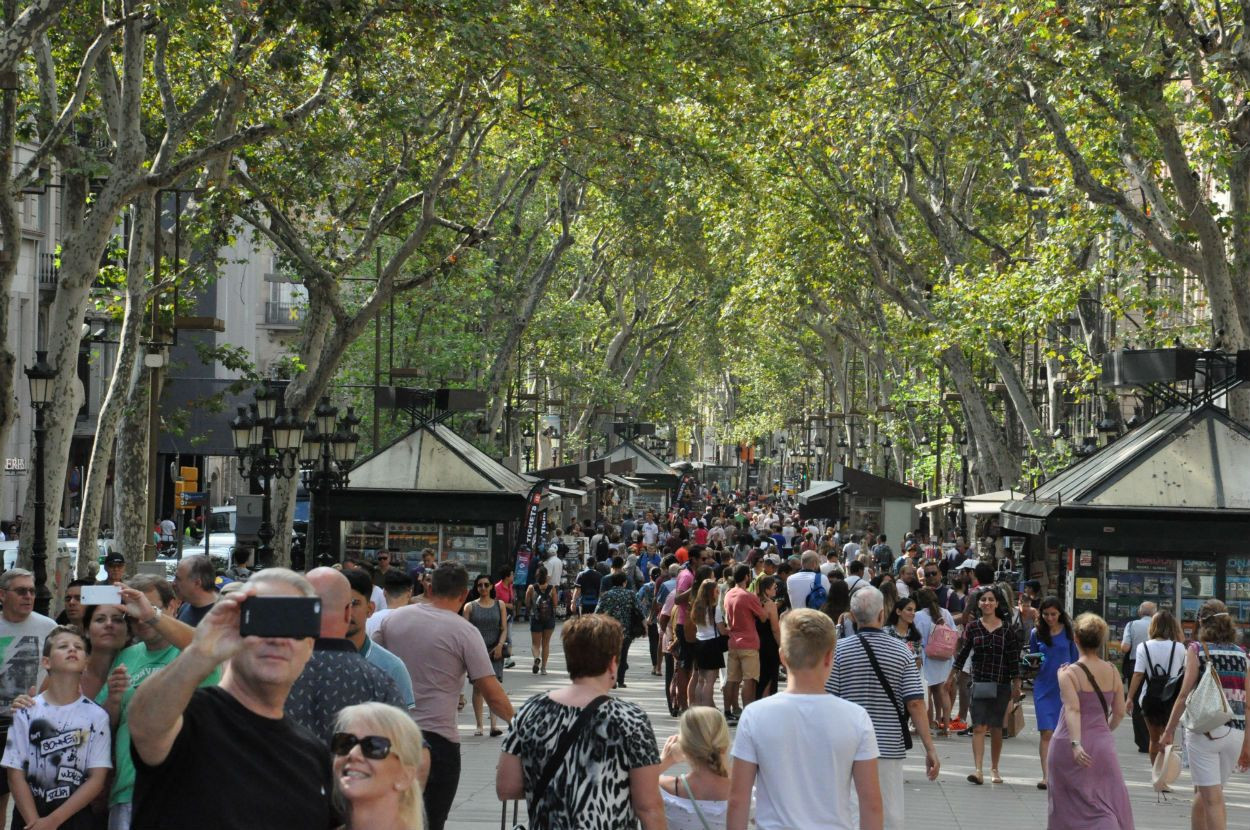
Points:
x=284, y=314
x=48, y=271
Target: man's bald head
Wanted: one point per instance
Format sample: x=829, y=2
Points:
x=336, y=600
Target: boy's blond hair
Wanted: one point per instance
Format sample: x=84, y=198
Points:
x=807, y=636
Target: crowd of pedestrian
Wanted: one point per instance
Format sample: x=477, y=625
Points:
x=802, y=664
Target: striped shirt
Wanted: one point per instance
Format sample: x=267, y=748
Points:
x=853, y=679
x=1230, y=665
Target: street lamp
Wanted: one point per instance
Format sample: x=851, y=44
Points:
x=326, y=456
x=267, y=442
x=40, y=376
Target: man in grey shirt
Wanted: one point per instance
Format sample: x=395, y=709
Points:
x=22, y=632
x=440, y=648
x=1136, y=633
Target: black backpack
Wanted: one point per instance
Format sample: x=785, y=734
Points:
x=1161, y=689
x=603, y=550
x=544, y=609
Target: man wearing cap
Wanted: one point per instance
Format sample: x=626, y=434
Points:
x=114, y=568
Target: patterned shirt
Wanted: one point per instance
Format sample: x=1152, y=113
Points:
x=621, y=604
x=335, y=677
x=996, y=658
x=911, y=640
x=590, y=791
x=1230, y=665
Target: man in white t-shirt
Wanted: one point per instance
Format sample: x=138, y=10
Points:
x=650, y=530
x=799, y=585
x=555, y=566
x=803, y=750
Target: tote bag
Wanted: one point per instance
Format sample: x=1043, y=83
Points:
x=1206, y=708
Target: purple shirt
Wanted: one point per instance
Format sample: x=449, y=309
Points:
x=438, y=648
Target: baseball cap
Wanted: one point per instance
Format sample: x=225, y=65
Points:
x=773, y=558
x=114, y=558
x=968, y=565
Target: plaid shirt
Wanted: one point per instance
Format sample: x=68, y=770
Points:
x=995, y=654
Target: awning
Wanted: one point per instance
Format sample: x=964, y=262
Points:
x=819, y=490
x=977, y=505
x=588, y=483
x=567, y=492
x=935, y=503
x=620, y=481
x=988, y=502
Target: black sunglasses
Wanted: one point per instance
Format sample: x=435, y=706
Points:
x=374, y=747
x=483, y=585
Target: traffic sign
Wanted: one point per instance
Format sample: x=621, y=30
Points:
x=195, y=499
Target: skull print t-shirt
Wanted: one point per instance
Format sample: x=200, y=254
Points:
x=55, y=747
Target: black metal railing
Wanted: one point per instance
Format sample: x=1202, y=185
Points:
x=284, y=314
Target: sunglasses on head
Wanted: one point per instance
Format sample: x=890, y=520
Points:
x=374, y=747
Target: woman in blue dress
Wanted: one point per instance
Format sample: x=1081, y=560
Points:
x=1052, y=638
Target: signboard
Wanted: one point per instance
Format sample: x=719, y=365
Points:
x=247, y=517
x=15, y=466
x=1087, y=588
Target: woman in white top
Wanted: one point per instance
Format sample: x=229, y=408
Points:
x=698, y=800
x=708, y=619
x=1163, y=653
x=934, y=671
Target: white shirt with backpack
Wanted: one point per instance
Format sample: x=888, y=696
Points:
x=1154, y=656
x=799, y=585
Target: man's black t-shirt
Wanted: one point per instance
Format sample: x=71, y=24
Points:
x=265, y=773
x=589, y=581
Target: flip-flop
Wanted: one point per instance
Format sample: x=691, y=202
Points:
x=976, y=778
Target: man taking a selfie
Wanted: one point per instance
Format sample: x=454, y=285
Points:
x=237, y=734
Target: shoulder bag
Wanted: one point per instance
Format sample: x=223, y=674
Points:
x=1206, y=707
x=889, y=692
x=1102, y=701
x=682, y=782
x=557, y=759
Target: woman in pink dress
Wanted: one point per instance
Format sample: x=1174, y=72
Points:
x=1087, y=788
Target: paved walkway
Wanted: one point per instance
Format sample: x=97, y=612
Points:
x=950, y=803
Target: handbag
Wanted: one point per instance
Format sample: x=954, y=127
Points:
x=1013, y=721
x=556, y=761
x=889, y=692
x=943, y=641
x=984, y=690
x=1206, y=708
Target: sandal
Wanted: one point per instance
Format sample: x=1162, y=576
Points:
x=1042, y=785
x=460, y=705
x=995, y=778
x=976, y=778
x=478, y=732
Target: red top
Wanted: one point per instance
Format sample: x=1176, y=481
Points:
x=742, y=608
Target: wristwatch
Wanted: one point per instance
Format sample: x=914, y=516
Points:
x=1075, y=744
x=155, y=618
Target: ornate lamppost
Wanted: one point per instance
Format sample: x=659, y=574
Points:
x=327, y=455
x=267, y=443
x=41, y=377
